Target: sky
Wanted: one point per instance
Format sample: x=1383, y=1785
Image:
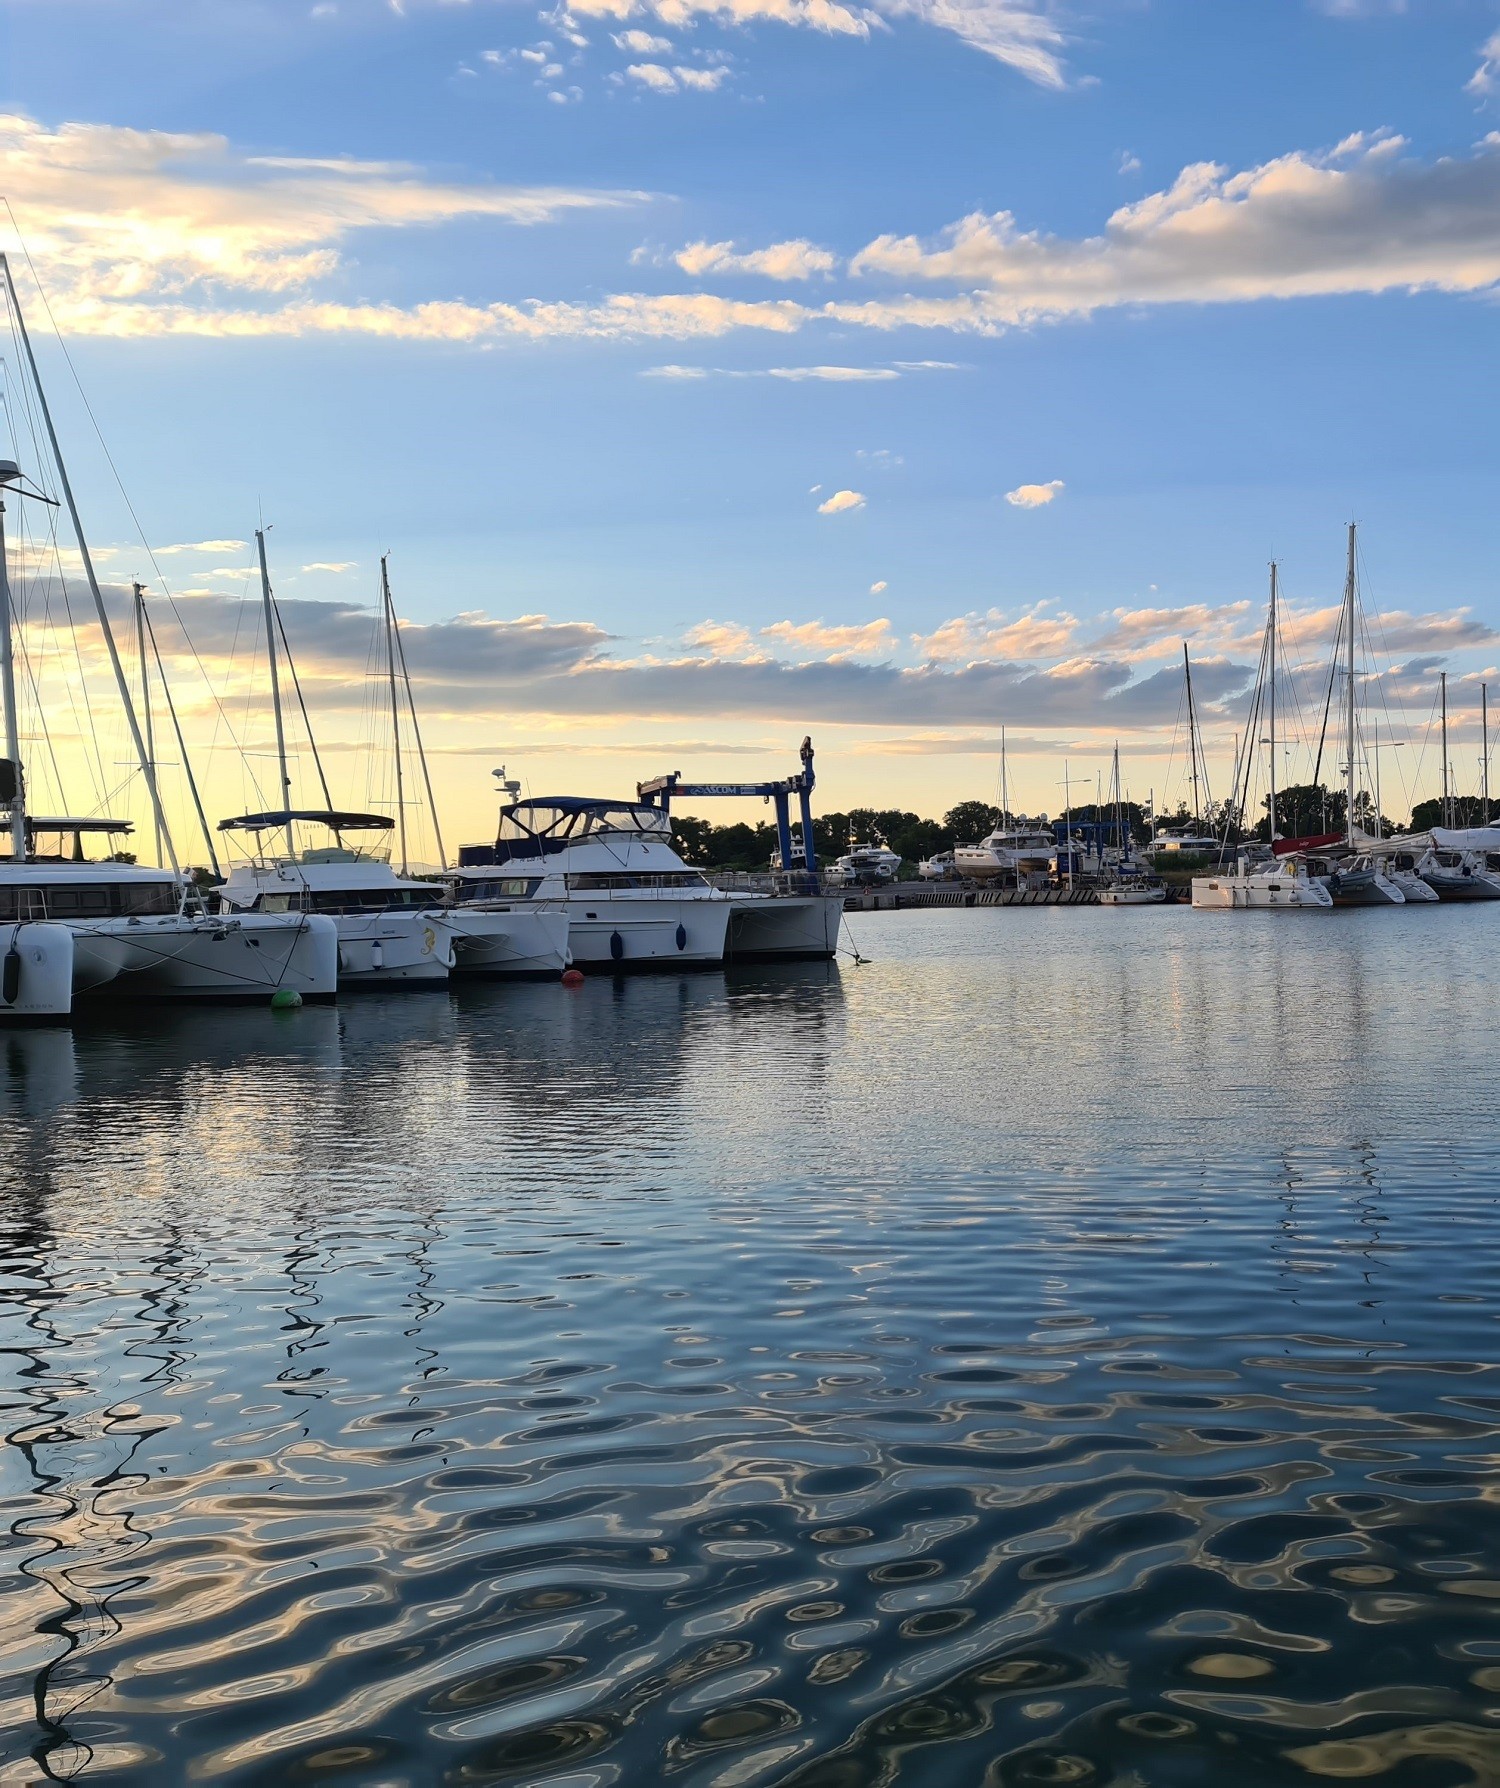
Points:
x=715, y=374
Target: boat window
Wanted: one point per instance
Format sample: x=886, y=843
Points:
x=510, y=887
x=89, y=900
x=664, y=878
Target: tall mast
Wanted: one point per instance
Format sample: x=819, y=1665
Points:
x=1119, y=812
x=142, y=756
x=9, y=473
x=1484, y=761
x=1271, y=643
x=283, y=779
x=416, y=733
x=1187, y=671
x=1004, y=785
x=1349, y=624
x=1447, y=801
x=390, y=664
x=138, y=590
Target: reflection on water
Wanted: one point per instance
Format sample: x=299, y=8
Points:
x=1062, y=1350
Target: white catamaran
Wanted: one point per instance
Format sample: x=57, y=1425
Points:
x=113, y=928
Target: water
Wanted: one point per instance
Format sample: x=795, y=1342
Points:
x=1060, y=1351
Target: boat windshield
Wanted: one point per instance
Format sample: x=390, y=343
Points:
x=574, y=820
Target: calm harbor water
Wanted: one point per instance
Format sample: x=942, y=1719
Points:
x=1062, y=1350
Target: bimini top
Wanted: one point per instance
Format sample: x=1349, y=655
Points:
x=36, y=822
x=335, y=822
x=544, y=826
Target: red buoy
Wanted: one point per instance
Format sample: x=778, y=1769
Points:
x=572, y=977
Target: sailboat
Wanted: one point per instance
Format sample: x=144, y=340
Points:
x=1131, y=885
x=1355, y=875
x=1283, y=883
x=116, y=929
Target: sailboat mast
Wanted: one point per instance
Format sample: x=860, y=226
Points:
x=122, y=686
x=1004, y=788
x=1484, y=747
x=416, y=733
x=1349, y=624
x=1447, y=800
x=1119, y=812
x=283, y=778
x=1271, y=643
x=17, y=802
x=1187, y=671
x=138, y=590
x=390, y=664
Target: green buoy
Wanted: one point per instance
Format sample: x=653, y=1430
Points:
x=285, y=999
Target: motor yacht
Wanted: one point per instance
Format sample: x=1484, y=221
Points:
x=1017, y=851
x=1133, y=890
x=631, y=901
x=864, y=866
x=939, y=868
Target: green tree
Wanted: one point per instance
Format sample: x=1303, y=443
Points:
x=970, y=821
x=1305, y=810
x=1465, y=810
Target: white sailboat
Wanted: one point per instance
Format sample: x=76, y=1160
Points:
x=1131, y=884
x=1280, y=883
x=1016, y=852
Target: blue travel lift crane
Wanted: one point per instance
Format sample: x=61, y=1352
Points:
x=661, y=789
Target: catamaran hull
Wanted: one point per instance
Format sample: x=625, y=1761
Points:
x=241, y=957
x=508, y=944
x=1455, y=884
x=1364, y=887
x=1412, y=886
x=784, y=927
x=393, y=949
x=38, y=973
x=625, y=936
x=1259, y=893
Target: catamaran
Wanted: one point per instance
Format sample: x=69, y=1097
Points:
x=113, y=928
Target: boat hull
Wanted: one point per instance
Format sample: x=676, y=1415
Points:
x=1456, y=885
x=784, y=927
x=1413, y=887
x=1364, y=887
x=508, y=943
x=393, y=949
x=642, y=936
x=243, y=956
x=42, y=973
x=1132, y=896
x=1259, y=893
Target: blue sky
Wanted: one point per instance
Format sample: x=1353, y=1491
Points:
x=586, y=314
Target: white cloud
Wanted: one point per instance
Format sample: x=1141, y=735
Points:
x=799, y=260
x=337, y=565
x=975, y=638
x=1034, y=496
x=835, y=375
x=1023, y=34
x=1016, y=32
x=701, y=80
x=858, y=641
x=652, y=75
x=1486, y=78
x=1357, y=218
x=1129, y=163
x=841, y=502
x=131, y=222
x=879, y=587
x=642, y=43
x=725, y=639
x=201, y=546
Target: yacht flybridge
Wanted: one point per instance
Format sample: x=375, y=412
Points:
x=113, y=928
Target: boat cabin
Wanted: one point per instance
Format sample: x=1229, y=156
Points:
x=334, y=879
x=58, y=882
